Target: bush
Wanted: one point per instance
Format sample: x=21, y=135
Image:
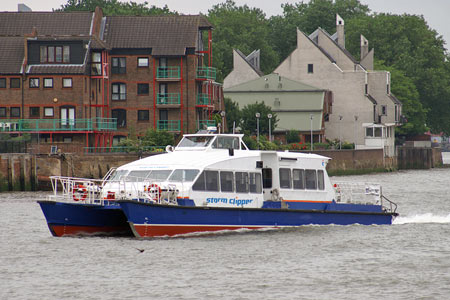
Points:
x=292, y=136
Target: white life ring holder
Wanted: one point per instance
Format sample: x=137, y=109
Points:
x=155, y=191
x=79, y=192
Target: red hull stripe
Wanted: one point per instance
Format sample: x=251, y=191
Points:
x=171, y=230
x=62, y=230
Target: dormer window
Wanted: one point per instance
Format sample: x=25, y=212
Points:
x=54, y=54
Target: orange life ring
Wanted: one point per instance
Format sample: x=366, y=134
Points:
x=155, y=190
x=79, y=192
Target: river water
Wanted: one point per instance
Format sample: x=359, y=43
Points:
x=408, y=260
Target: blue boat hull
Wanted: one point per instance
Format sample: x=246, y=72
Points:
x=149, y=220
x=84, y=219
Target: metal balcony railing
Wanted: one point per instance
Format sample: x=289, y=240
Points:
x=168, y=73
x=203, y=124
x=206, y=73
x=169, y=98
x=168, y=125
x=202, y=99
x=47, y=125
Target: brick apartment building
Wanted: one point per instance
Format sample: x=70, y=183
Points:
x=82, y=80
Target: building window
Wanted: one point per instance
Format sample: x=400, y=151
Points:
x=142, y=62
x=119, y=65
x=48, y=112
x=67, y=117
x=383, y=110
x=2, y=83
x=14, y=83
x=67, y=82
x=34, y=83
x=54, y=54
x=310, y=68
x=48, y=83
x=15, y=112
x=119, y=91
x=142, y=88
x=121, y=116
x=35, y=112
x=163, y=115
x=2, y=112
x=96, y=63
x=143, y=115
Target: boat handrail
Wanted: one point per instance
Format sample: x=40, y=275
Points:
x=391, y=205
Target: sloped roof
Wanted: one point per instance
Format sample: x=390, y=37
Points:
x=258, y=71
x=271, y=83
x=333, y=39
x=166, y=35
x=46, y=23
x=11, y=54
x=372, y=99
x=331, y=58
x=394, y=99
x=56, y=69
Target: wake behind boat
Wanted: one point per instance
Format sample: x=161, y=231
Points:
x=212, y=182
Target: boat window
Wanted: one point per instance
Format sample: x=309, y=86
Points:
x=226, y=181
x=320, y=180
x=255, y=183
x=159, y=175
x=267, y=178
x=118, y=174
x=195, y=141
x=212, y=180
x=226, y=142
x=311, y=179
x=285, y=178
x=135, y=176
x=183, y=175
x=298, y=177
x=199, y=184
x=241, y=182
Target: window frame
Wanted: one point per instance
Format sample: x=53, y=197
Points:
x=118, y=69
x=34, y=79
x=3, y=86
x=283, y=181
x=139, y=64
x=46, y=110
x=3, y=112
x=241, y=176
x=310, y=68
x=45, y=83
x=16, y=109
x=60, y=54
x=14, y=79
x=34, y=115
x=119, y=85
x=309, y=187
x=139, y=93
x=145, y=117
x=71, y=82
x=225, y=183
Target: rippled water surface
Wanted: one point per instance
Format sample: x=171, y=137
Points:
x=408, y=260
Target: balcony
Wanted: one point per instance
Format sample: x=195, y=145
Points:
x=168, y=73
x=203, y=124
x=168, y=99
x=206, y=73
x=168, y=125
x=202, y=99
x=55, y=125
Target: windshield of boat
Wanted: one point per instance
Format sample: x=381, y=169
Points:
x=143, y=175
x=183, y=175
x=195, y=141
x=159, y=175
x=226, y=142
x=117, y=175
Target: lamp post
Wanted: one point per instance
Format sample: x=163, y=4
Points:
x=312, y=144
x=270, y=127
x=356, y=125
x=222, y=114
x=340, y=138
x=257, y=127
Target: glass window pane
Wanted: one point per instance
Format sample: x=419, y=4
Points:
x=226, y=181
x=67, y=82
x=66, y=57
x=320, y=180
x=255, y=183
x=299, y=179
x=58, y=51
x=212, y=180
x=182, y=175
x=199, y=184
x=143, y=62
x=159, y=174
x=48, y=112
x=135, y=176
x=43, y=54
x=311, y=179
x=241, y=182
x=51, y=54
x=285, y=178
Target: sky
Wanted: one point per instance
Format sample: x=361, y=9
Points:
x=435, y=12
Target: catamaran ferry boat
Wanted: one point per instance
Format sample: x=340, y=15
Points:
x=212, y=182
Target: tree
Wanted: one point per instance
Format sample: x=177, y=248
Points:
x=249, y=123
x=242, y=28
x=233, y=114
x=114, y=7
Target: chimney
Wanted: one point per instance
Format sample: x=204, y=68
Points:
x=364, y=47
x=340, y=31
x=22, y=8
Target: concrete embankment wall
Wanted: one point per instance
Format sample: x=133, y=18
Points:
x=31, y=172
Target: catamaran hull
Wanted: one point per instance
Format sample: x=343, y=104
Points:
x=84, y=219
x=153, y=220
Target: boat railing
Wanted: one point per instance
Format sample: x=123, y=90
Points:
x=358, y=193
x=105, y=192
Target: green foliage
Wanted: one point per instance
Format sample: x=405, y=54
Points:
x=293, y=136
x=249, y=123
x=152, y=141
x=233, y=114
x=115, y=7
x=264, y=144
x=242, y=28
